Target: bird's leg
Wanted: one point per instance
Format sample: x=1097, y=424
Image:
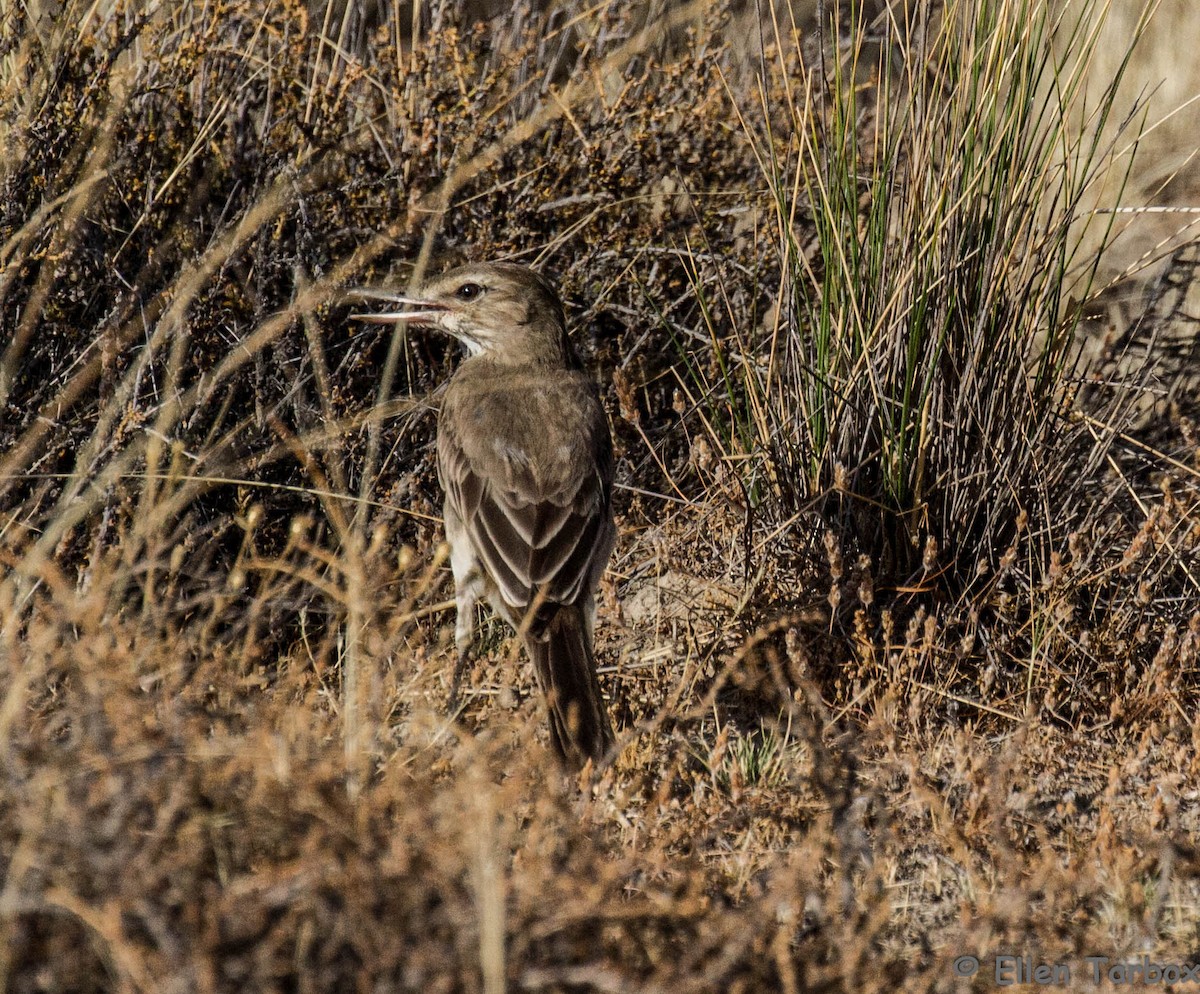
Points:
x=464, y=637
x=460, y=667
x=468, y=587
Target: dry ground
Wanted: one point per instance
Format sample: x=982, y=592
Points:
x=224, y=635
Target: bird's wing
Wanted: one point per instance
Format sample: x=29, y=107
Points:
x=529, y=478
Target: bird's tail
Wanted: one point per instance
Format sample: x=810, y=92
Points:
x=566, y=669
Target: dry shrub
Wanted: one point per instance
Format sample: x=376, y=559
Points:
x=224, y=664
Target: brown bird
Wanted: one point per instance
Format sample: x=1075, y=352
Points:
x=525, y=460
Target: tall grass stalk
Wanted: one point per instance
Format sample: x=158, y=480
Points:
x=921, y=365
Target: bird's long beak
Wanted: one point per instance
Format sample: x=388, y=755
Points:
x=411, y=310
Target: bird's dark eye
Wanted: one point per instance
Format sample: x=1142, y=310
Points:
x=468, y=291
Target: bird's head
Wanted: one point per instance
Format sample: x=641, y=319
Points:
x=505, y=311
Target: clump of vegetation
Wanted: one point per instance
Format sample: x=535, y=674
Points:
x=903, y=628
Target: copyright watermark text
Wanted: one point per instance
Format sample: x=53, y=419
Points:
x=1009, y=970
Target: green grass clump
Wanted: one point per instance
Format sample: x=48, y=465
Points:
x=902, y=633
x=929, y=185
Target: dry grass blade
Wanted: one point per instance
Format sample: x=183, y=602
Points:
x=902, y=632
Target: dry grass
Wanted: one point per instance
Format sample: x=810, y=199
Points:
x=225, y=758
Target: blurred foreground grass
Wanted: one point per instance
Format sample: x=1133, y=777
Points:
x=903, y=627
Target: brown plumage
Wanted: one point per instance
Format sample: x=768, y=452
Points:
x=525, y=460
